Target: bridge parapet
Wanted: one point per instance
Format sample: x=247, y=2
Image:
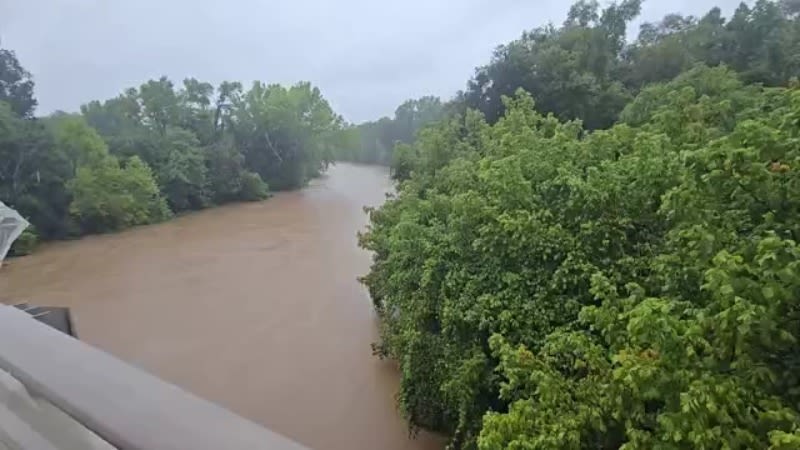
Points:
x=124, y=406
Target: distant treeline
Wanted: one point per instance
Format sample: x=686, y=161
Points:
x=598, y=245
x=373, y=142
x=155, y=150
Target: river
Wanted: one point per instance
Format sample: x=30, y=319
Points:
x=253, y=306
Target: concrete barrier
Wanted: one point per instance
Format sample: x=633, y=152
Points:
x=123, y=405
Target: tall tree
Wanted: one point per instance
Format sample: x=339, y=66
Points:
x=33, y=172
x=159, y=104
x=759, y=42
x=282, y=132
x=182, y=172
x=195, y=109
x=568, y=70
x=228, y=94
x=79, y=143
x=16, y=85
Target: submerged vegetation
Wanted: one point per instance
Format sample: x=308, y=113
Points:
x=597, y=246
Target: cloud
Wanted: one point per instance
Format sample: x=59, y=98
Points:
x=366, y=56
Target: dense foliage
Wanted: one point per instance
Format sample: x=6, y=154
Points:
x=629, y=279
x=154, y=150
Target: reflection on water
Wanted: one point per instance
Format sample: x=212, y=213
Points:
x=253, y=306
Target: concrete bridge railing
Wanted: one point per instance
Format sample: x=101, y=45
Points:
x=122, y=405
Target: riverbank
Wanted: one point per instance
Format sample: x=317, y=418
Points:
x=254, y=306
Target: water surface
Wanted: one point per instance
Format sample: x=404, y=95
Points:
x=254, y=306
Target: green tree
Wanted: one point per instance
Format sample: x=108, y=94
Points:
x=120, y=121
x=569, y=70
x=228, y=178
x=228, y=94
x=285, y=134
x=80, y=143
x=182, y=174
x=758, y=42
x=159, y=104
x=16, y=85
x=195, y=109
x=32, y=173
x=110, y=197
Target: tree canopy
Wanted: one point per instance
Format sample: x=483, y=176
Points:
x=584, y=70
x=596, y=246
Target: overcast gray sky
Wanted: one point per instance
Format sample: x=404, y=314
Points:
x=367, y=56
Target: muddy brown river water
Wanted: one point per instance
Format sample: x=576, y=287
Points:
x=253, y=306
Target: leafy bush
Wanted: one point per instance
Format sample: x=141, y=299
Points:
x=25, y=243
x=252, y=187
x=706, y=356
x=110, y=197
